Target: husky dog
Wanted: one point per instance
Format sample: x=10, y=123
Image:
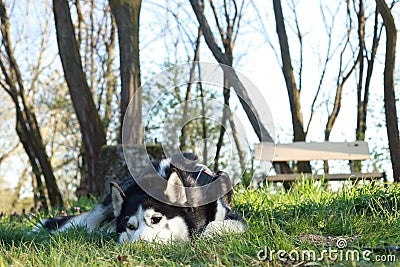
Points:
x=172, y=215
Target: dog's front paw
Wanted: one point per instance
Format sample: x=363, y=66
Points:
x=225, y=226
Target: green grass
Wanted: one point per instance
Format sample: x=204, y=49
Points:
x=307, y=217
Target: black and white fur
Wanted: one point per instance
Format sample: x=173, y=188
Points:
x=153, y=220
x=140, y=216
x=101, y=214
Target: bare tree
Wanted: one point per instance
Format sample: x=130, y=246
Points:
x=228, y=29
x=239, y=88
x=244, y=99
x=110, y=76
x=363, y=84
x=96, y=37
x=389, y=93
x=186, y=104
x=27, y=126
x=341, y=79
x=127, y=14
x=329, y=55
x=203, y=113
x=93, y=135
x=293, y=91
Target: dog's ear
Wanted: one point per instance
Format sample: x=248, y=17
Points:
x=185, y=161
x=117, y=198
x=175, y=191
x=225, y=185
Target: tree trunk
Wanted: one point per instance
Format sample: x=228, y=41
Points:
x=186, y=104
x=363, y=92
x=110, y=77
x=361, y=112
x=332, y=118
x=228, y=46
x=239, y=147
x=335, y=111
x=224, y=118
x=27, y=127
x=93, y=135
x=203, y=120
x=389, y=94
x=293, y=92
x=22, y=131
x=127, y=15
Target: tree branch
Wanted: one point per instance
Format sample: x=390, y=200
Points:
x=240, y=90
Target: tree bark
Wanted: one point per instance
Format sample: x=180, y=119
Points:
x=93, y=135
x=127, y=15
x=389, y=93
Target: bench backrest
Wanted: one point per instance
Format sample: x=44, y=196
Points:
x=302, y=151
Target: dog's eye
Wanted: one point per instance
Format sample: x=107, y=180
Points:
x=155, y=219
x=131, y=227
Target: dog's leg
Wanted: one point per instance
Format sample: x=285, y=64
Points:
x=226, y=226
x=91, y=220
x=231, y=223
x=99, y=215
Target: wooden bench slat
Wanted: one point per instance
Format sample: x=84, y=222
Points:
x=302, y=151
x=327, y=176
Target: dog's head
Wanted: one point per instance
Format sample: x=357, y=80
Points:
x=152, y=221
x=140, y=216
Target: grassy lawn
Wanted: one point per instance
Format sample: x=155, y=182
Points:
x=305, y=220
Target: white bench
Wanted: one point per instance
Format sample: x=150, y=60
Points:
x=302, y=151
